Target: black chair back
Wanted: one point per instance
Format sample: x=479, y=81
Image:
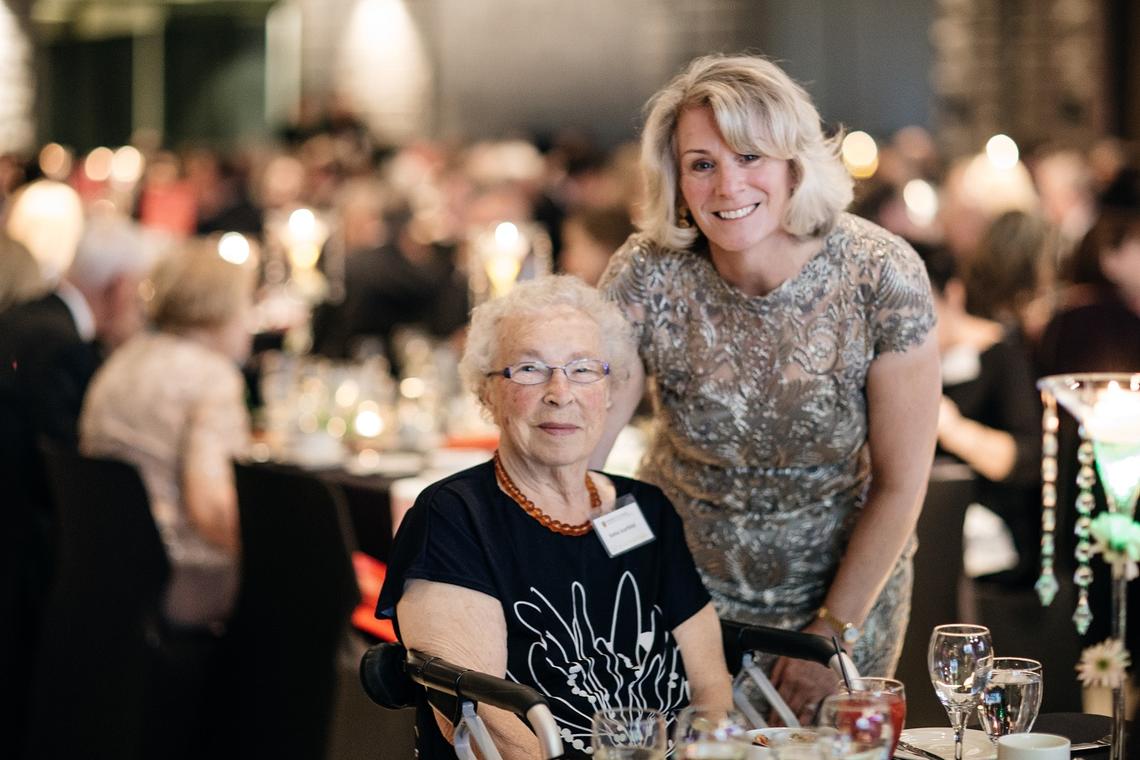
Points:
x=298, y=591
x=102, y=620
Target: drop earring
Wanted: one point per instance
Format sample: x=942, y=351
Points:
x=683, y=220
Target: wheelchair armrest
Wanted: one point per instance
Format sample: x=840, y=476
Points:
x=739, y=638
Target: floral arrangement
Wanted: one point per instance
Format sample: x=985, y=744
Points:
x=1104, y=664
x=1117, y=537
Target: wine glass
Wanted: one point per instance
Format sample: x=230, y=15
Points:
x=959, y=658
x=862, y=721
x=716, y=734
x=889, y=689
x=1011, y=697
x=628, y=733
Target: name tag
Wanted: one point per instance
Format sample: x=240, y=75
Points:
x=624, y=528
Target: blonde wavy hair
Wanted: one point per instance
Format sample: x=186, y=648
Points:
x=758, y=109
x=538, y=298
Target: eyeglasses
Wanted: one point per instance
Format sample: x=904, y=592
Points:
x=581, y=371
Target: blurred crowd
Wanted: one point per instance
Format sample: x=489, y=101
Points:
x=353, y=242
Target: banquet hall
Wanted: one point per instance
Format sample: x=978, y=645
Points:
x=368, y=173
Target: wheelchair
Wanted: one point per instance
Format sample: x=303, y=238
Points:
x=391, y=676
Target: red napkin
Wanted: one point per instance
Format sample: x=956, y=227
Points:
x=370, y=573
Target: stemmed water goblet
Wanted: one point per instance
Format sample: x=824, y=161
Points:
x=712, y=733
x=1011, y=697
x=629, y=733
x=959, y=658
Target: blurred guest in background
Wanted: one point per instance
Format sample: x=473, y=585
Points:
x=794, y=366
x=500, y=567
x=20, y=277
x=49, y=349
x=1099, y=330
x=393, y=279
x=221, y=196
x=1005, y=278
x=990, y=416
x=1064, y=181
x=589, y=238
x=974, y=193
x=172, y=402
x=46, y=217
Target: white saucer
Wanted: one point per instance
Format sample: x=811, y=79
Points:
x=975, y=744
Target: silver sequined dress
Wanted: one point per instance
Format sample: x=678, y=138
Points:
x=760, y=438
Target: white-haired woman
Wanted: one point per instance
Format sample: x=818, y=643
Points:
x=514, y=568
x=795, y=372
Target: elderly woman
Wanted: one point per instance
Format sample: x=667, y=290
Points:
x=795, y=372
x=512, y=568
x=172, y=402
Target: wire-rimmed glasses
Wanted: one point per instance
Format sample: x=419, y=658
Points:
x=581, y=371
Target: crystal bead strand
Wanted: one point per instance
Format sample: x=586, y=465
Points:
x=1046, y=585
x=1086, y=502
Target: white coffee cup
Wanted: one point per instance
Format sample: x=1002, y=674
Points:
x=1032, y=747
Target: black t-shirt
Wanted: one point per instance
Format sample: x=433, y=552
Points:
x=584, y=629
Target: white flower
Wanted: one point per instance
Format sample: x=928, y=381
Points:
x=1104, y=664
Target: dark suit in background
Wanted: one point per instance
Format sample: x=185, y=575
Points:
x=45, y=366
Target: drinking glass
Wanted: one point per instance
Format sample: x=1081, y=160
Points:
x=1011, y=697
x=803, y=743
x=959, y=658
x=862, y=722
x=628, y=733
x=889, y=689
x=715, y=734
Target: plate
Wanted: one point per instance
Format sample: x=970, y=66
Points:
x=757, y=752
x=975, y=744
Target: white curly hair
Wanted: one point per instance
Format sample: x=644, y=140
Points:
x=538, y=298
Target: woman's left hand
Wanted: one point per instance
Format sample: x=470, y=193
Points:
x=803, y=685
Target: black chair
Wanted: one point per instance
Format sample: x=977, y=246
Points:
x=297, y=593
x=102, y=624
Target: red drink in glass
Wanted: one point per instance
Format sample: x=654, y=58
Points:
x=889, y=690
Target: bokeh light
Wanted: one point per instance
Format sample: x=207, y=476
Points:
x=127, y=165
x=234, y=248
x=55, y=161
x=368, y=422
x=1002, y=151
x=921, y=201
x=97, y=165
x=860, y=154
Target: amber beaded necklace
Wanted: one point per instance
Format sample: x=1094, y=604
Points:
x=544, y=519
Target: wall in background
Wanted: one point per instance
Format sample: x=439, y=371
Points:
x=17, y=87
x=456, y=68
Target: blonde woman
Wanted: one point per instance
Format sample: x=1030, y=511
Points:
x=794, y=370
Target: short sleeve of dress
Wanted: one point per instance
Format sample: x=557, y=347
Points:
x=624, y=282
x=437, y=541
x=903, y=309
